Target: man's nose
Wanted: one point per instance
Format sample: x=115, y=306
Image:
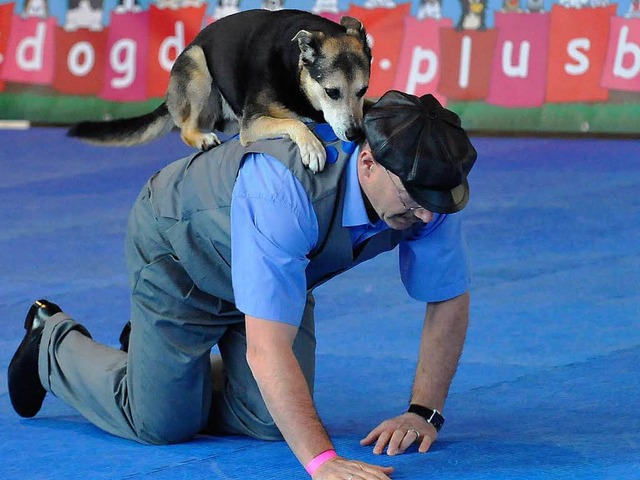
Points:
x=423, y=214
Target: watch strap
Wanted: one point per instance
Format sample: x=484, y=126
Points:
x=432, y=416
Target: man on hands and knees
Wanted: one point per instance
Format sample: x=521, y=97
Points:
x=225, y=248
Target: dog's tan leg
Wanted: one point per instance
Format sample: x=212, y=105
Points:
x=311, y=149
x=188, y=97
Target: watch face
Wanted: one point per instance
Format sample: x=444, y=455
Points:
x=437, y=420
x=434, y=417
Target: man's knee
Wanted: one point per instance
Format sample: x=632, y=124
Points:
x=166, y=427
x=164, y=434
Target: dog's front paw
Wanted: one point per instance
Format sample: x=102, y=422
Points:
x=199, y=140
x=313, y=153
x=209, y=140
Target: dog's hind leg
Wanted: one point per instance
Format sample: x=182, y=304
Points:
x=188, y=98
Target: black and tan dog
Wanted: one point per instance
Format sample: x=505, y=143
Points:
x=263, y=71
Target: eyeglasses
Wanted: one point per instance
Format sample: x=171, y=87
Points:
x=412, y=208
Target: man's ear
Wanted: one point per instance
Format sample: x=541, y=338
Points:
x=365, y=159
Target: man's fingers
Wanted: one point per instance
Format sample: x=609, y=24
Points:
x=373, y=434
x=395, y=444
x=377, y=471
x=425, y=444
x=383, y=439
x=411, y=437
x=342, y=469
x=401, y=440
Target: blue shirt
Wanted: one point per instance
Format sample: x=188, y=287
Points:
x=274, y=226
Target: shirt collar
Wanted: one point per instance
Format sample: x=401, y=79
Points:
x=354, y=212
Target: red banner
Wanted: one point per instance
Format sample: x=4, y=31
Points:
x=419, y=66
x=80, y=61
x=30, y=51
x=127, y=47
x=520, y=62
x=466, y=63
x=334, y=17
x=622, y=65
x=171, y=31
x=384, y=28
x=6, y=12
x=577, y=50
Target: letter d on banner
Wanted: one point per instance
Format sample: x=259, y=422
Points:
x=172, y=31
x=30, y=51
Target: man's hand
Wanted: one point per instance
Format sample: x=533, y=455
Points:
x=399, y=433
x=339, y=468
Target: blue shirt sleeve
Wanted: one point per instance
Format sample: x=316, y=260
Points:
x=273, y=228
x=434, y=260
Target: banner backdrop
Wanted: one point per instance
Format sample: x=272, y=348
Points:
x=520, y=60
x=81, y=63
x=6, y=12
x=499, y=60
x=622, y=65
x=577, y=48
x=171, y=31
x=419, y=67
x=385, y=27
x=30, y=51
x=467, y=57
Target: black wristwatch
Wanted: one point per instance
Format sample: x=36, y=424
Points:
x=434, y=417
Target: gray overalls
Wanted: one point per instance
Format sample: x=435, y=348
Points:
x=178, y=252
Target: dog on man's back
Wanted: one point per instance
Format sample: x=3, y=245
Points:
x=264, y=73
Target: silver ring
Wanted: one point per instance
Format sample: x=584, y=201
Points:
x=350, y=477
x=416, y=432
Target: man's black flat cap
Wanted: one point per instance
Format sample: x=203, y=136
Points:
x=425, y=145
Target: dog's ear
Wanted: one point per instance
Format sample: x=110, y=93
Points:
x=309, y=44
x=354, y=27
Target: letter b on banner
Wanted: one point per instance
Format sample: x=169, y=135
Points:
x=622, y=67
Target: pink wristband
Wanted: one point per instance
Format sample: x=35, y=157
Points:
x=314, y=464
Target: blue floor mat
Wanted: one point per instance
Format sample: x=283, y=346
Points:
x=548, y=384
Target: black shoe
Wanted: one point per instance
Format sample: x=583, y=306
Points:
x=25, y=389
x=124, y=337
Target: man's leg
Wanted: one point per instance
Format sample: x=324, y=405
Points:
x=238, y=407
x=86, y=375
x=158, y=393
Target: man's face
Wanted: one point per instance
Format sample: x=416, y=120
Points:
x=386, y=194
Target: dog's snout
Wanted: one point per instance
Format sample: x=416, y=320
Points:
x=354, y=133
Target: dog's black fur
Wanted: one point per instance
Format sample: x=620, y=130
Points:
x=265, y=69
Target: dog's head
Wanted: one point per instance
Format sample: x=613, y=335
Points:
x=334, y=75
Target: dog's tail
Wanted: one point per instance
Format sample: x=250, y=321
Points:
x=125, y=132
